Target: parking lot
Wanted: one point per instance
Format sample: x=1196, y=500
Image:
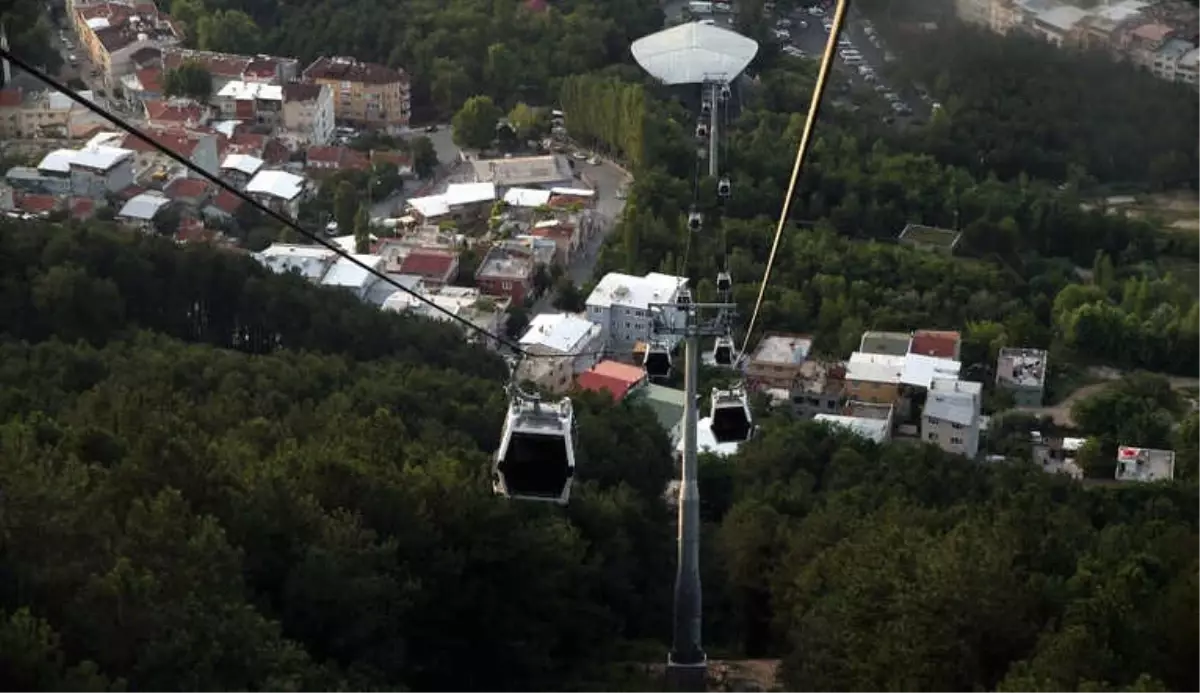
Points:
x=861, y=56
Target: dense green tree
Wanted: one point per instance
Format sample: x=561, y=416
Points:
x=475, y=123
x=191, y=79
x=424, y=157
x=229, y=31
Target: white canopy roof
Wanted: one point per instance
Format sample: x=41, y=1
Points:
x=143, y=206
x=694, y=52
x=281, y=184
x=245, y=163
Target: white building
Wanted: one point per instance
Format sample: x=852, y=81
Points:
x=93, y=171
x=578, y=342
x=308, y=112
x=309, y=261
x=877, y=430
x=484, y=312
x=141, y=209
x=1145, y=464
x=278, y=189
x=349, y=275
x=951, y=418
x=620, y=305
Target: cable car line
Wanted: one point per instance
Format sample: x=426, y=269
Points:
x=119, y=122
x=802, y=148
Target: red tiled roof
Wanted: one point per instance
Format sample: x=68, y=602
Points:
x=227, y=202
x=146, y=55
x=151, y=79
x=35, y=204
x=433, y=264
x=261, y=68
x=243, y=108
x=612, y=377
x=275, y=152
x=11, y=98
x=559, y=230
x=381, y=156
x=193, y=231
x=191, y=188
x=218, y=64
x=942, y=344
x=337, y=158
x=165, y=111
x=180, y=142
x=301, y=91
x=128, y=192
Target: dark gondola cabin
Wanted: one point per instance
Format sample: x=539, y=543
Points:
x=723, y=351
x=657, y=360
x=731, y=419
x=536, y=457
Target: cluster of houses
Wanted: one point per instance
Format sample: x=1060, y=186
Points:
x=268, y=124
x=1159, y=35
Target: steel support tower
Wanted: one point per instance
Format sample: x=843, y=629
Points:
x=687, y=664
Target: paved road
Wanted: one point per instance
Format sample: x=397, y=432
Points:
x=1061, y=412
x=448, y=157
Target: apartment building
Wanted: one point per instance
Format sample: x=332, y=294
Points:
x=112, y=33
x=364, y=94
x=252, y=102
x=30, y=115
x=230, y=67
x=308, y=113
x=571, y=344
x=777, y=361
x=620, y=305
x=1023, y=373
x=92, y=171
x=951, y=419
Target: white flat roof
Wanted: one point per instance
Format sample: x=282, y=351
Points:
x=348, y=274
x=101, y=157
x=58, y=161
x=310, y=261
x=281, y=184
x=431, y=206
x=921, y=370
x=143, y=206
x=97, y=23
x=527, y=197
x=875, y=368
x=694, y=52
x=251, y=90
x=245, y=163
x=561, y=332
x=871, y=429
x=635, y=292
x=469, y=193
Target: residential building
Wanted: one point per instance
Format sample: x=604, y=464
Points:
x=942, y=344
x=550, y=171
x=435, y=267
x=31, y=180
x=929, y=238
x=323, y=160
x=777, y=361
x=112, y=33
x=874, y=378
x=224, y=208
x=228, y=67
x=565, y=236
x=461, y=201
x=1058, y=456
x=309, y=261
x=364, y=94
x=28, y=205
x=1003, y=16
x=352, y=276
x=1101, y=31
x=527, y=198
x=818, y=388
x=193, y=193
x=951, y=416
x=142, y=85
x=278, y=189
x=238, y=169
x=619, y=380
x=486, y=313
x=253, y=102
x=176, y=113
x=197, y=146
x=1187, y=70
x=32, y=115
x=387, y=157
x=1145, y=464
x=565, y=198
x=1141, y=44
x=141, y=210
x=308, y=112
x=620, y=305
x=885, y=343
x=568, y=346
x=1167, y=59
x=93, y=171
x=1057, y=25
x=1023, y=373
x=508, y=273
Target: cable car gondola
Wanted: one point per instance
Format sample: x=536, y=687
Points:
x=701, y=131
x=657, y=360
x=684, y=298
x=695, y=220
x=722, y=354
x=705, y=107
x=731, y=418
x=724, y=282
x=725, y=92
x=724, y=187
x=536, y=457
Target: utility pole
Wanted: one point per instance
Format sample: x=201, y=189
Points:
x=687, y=664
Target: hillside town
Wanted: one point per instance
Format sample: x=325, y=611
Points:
x=1157, y=35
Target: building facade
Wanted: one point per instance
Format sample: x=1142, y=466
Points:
x=951, y=419
x=620, y=305
x=308, y=112
x=364, y=94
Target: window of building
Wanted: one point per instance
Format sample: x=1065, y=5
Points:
x=957, y=427
x=955, y=440
x=932, y=436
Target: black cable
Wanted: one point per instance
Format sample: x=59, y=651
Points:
x=293, y=225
